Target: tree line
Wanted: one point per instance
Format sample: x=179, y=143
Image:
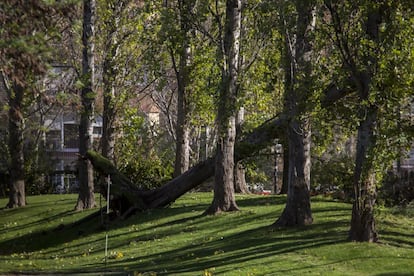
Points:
x=297, y=72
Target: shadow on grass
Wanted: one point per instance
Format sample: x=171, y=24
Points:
x=257, y=243
x=58, y=234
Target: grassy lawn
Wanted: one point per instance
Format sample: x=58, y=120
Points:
x=41, y=238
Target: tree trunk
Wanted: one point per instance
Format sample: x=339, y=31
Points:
x=240, y=185
x=86, y=197
x=362, y=221
x=182, y=146
x=224, y=199
x=298, y=74
x=17, y=197
x=109, y=113
x=297, y=210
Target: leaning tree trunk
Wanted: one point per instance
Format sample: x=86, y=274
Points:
x=224, y=199
x=86, y=197
x=17, y=197
x=126, y=197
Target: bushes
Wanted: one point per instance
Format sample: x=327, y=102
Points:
x=333, y=175
x=148, y=173
x=397, y=189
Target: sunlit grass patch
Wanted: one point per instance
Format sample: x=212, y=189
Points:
x=180, y=241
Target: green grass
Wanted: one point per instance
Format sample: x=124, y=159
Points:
x=40, y=238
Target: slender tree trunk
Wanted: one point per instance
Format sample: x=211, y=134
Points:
x=224, y=199
x=108, y=128
x=108, y=76
x=86, y=197
x=17, y=197
x=182, y=146
x=298, y=74
x=240, y=185
x=182, y=149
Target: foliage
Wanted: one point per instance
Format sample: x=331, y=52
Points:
x=351, y=51
x=397, y=189
x=41, y=238
x=333, y=174
x=139, y=155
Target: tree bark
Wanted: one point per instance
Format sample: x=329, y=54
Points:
x=17, y=196
x=298, y=74
x=182, y=149
x=240, y=185
x=224, y=199
x=362, y=221
x=108, y=77
x=86, y=197
x=297, y=210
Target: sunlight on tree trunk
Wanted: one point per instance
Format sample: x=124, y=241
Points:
x=86, y=197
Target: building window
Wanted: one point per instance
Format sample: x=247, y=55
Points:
x=97, y=130
x=71, y=139
x=53, y=139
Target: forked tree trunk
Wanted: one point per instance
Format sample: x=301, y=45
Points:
x=17, y=196
x=86, y=197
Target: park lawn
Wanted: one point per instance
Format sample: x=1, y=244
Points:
x=41, y=238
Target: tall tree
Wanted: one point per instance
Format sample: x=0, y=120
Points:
x=363, y=223
x=86, y=197
x=27, y=28
x=382, y=85
x=298, y=85
x=224, y=199
x=110, y=17
x=182, y=145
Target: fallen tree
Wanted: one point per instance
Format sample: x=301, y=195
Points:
x=127, y=197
